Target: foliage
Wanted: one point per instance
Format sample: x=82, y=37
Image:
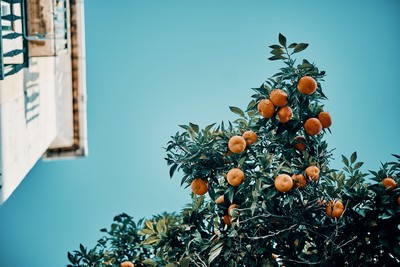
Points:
x=269, y=228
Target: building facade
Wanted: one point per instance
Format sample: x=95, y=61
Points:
x=42, y=86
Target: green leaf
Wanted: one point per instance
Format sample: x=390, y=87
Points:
x=238, y=111
x=160, y=226
x=146, y=231
x=358, y=165
x=345, y=161
x=171, y=265
x=275, y=46
x=194, y=127
x=277, y=52
x=215, y=251
x=172, y=170
x=353, y=157
x=282, y=40
x=277, y=57
x=292, y=45
x=149, y=262
x=300, y=47
x=149, y=225
x=208, y=127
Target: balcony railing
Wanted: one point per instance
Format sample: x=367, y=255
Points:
x=39, y=26
x=13, y=45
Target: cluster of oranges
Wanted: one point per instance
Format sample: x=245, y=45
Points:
x=277, y=104
x=283, y=182
x=278, y=99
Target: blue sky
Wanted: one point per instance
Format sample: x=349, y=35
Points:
x=152, y=65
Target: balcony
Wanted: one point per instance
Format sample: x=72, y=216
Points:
x=13, y=47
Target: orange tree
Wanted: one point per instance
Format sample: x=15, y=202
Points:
x=263, y=191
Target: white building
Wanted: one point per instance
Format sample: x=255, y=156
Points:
x=42, y=85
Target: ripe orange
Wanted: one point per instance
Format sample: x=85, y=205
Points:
x=285, y=114
x=235, y=176
x=283, y=183
x=313, y=126
x=325, y=119
x=199, y=186
x=275, y=256
x=227, y=219
x=312, y=172
x=398, y=201
x=220, y=200
x=389, y=184
x=237, y=144
x=127, y=264
x=278, y=97
x=232, y=207
x=300, y=143
x=307, y=85
x=266, y=108
x=250, y=137
x=299, y=180
x=335, y=209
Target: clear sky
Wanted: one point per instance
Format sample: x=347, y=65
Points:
x=152, y=65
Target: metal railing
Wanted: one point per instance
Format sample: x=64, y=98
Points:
x=9, y=64
x=30, y=11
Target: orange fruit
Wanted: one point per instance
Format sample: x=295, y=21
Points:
x=299, y=180
x=300, y=143
x=389, y=184
x=250, y=137
x=232, y=207
x=199, y=186
x=127, y=264
x=283, y=183
x=398, y=201
x=285, y=114
x=335, y=209
x=235, y=176
x=237, y=144
x=227, y=219
x=266, y=108
x=278, y=97
x=313, y=126
x=325, y=119
x=275, y=256
x=307, y=85
x=220, y=200
x=312, y=172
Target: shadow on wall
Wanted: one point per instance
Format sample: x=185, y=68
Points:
x=32, y=95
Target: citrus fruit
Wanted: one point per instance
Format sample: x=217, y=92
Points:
x=227, y=219
x=278, y=97
x=237, y=144
x=335, y=209
x=325, y=119
x=307, y=85
x=235, y=176
x=312, y=172
x=266, y=108
x=250, y=137
x=220, y=199
x=127, y=264
x=283, y=183
x=313, y=126
x=285, y=114
x=232, y=207
x=389, y=183
x=299, y=180
x=199, y=186
x=300, y=143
